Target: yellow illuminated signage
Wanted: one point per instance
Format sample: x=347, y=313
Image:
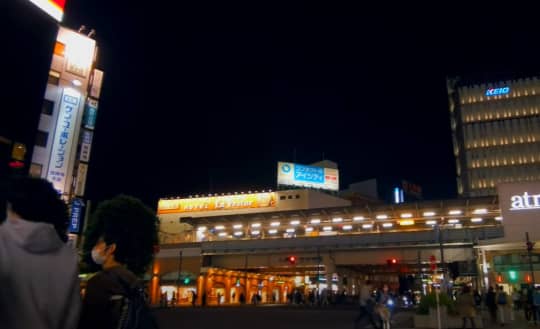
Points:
x=213, y=203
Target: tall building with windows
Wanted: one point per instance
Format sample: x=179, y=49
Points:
x=495, y=132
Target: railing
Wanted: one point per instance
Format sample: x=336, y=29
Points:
x=348, y=242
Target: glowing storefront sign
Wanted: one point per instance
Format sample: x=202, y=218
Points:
x=226, y=202
x=308, y=176
x=63, y=139
x=525, y=201
x=54, y=8
x=497, y=91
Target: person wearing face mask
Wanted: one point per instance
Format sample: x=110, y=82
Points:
x=38, y=271
x=120, y=239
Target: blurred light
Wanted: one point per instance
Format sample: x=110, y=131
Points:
x=272, y=231
x=256, y=225
x=256, y=232
x=406, y=222
x=238, y=233
x=454, y=212
x=237, y=226
x=76, y=82
x=274, y=224
x=337, y=220
x=387, y=225
x=429, y=213
x=476, y=220
x=315, y=221
x=219, y=227
x=367, y=226
x=480, y=211
x=358, y=218
x=295, y=222
x=290, y=230
x=347, y=227
x=431, y=222
x=453, y=221
x=406, y=215
x=382, y=216
x=327, y=228
x=201, y=228
x=309, y=229
x=499, y=218
x=222, y=234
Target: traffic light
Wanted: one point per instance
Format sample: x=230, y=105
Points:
x=391, y=261
x=512, y=275
x=292, y=260
x=186, y=280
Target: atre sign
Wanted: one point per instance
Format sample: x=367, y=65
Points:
x=520, y=209
x=525, y=201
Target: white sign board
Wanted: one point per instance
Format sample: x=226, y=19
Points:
x=293, y=174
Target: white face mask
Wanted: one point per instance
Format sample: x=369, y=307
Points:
x=97, y=257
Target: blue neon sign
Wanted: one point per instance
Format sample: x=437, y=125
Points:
x=497, y=91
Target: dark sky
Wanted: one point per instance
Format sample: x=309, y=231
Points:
x=207, y=98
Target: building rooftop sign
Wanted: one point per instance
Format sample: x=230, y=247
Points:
x=497, y=91
x=55, y=8
x=213, y=203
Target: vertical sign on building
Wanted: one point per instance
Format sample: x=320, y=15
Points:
x=63, y=140
x=76, y=216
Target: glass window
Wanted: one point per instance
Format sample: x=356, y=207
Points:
x=47, y=107
x=41, y=138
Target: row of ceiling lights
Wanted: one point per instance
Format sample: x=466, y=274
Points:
x=330, y=228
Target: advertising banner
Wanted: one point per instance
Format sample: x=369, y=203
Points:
x=213, y=203
x=80, y=184
x=63, y=139
x=76, y=217
x=97, y=80
x=86, y=145
x=520, y=209
x=90, y=114
x=55, y=8
x=293, y=174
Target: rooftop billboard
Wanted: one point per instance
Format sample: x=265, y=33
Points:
x=293, y=174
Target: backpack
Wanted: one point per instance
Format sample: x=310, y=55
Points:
x=501, y=298
x=134, y=312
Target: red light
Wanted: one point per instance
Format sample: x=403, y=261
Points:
x=394, y=261
x=499, y=278
x=292, y=259
x=16, y=164
x=528, y=278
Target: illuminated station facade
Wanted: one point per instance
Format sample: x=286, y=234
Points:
x=228, y=248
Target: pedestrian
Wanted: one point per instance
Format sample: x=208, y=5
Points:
x=203, y=301
x=121, y=239
x=502, y=305
x=491, y=304
x=367, y=306
x=38, y=270
x=466, y=307
x=193, y=298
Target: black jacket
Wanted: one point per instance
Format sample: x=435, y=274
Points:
x=98, y=310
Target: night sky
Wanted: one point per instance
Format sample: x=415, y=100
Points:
x=207, y=98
